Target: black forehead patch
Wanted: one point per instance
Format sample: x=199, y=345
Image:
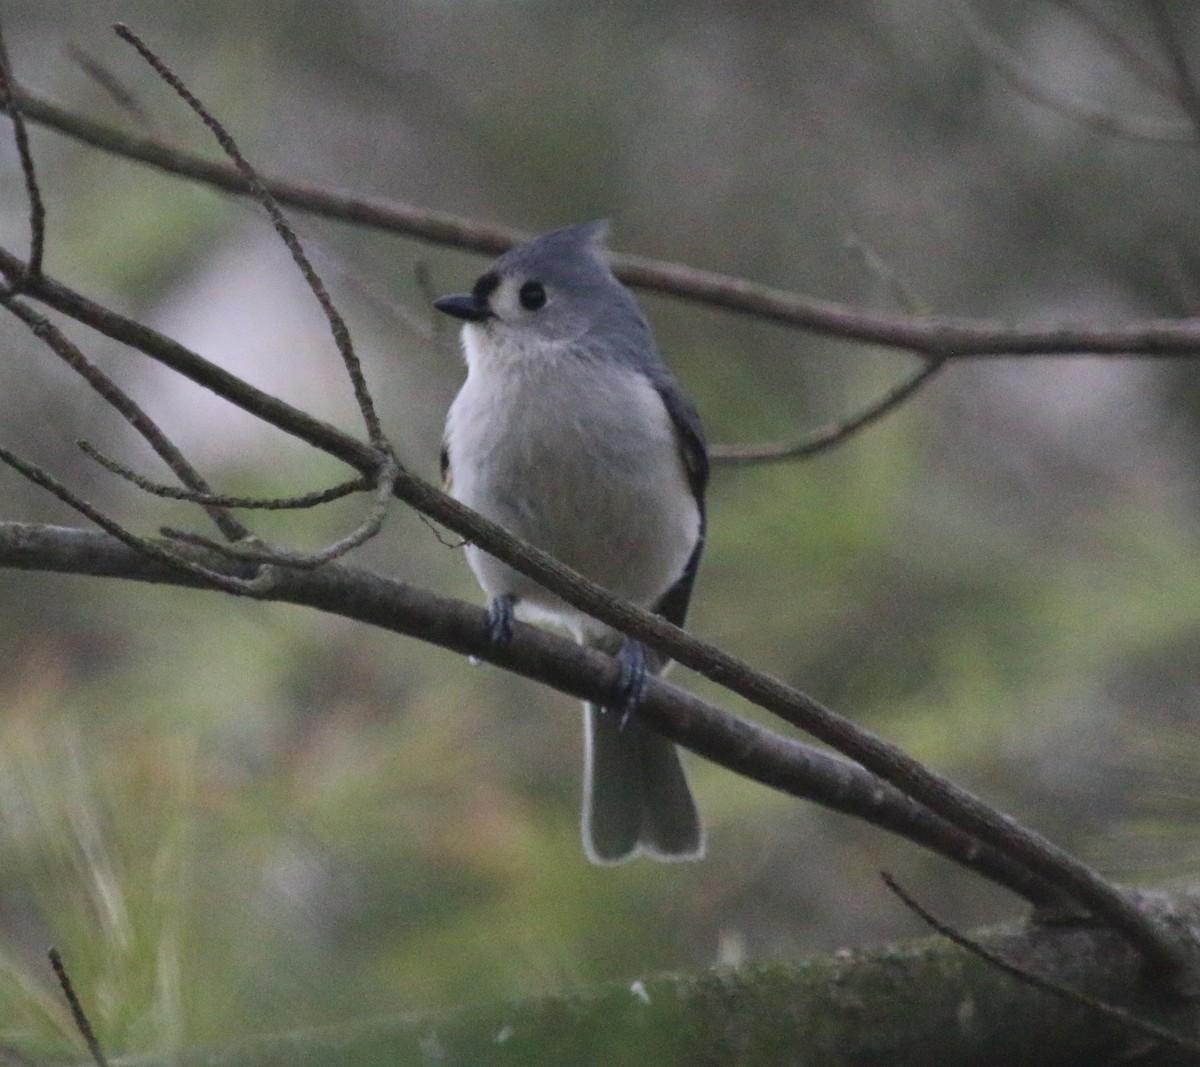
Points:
x=485, y=286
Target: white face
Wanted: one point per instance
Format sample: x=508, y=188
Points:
x=528, y=317
x=514, y=299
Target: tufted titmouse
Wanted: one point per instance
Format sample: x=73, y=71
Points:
x=571, y=433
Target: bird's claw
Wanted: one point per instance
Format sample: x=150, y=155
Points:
x=500, y=618
x=631, y=684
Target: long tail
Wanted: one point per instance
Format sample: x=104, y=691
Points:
x=635, y=796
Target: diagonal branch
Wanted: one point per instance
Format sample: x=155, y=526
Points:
x=120, y=94
x=229, y=583
x=1126, y=1018
x=1009, y=64
x=1170, y=959
x=745, y=748
x=127, y=408
x=1186, y=88
x=33, y=192
x=337, y=325
x=831, y=436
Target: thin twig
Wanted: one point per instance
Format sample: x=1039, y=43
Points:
x=831, y=436
x=1046, y=985
x=82, y=1023
x=117, y=91
x=837, y=433
x=436, y=530
x=1016, y=72
x=42, y=478
x=33, y=192
x=222, y=500
x=906, y=300
x=127, y=408
x=1187, y=92
x=337, y=325
x=1118, y=43
x=256, y=552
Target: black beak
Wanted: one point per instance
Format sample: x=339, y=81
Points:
x=464, y=307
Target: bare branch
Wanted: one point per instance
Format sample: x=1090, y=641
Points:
x=252, y=503
x=1187, y=92
x=337, y=325
x=1126, y=1018
x=830, y=436
x=745, y=748
x=254, y=550
x=120, y=94
x=835, y=434
x=1016, y=72
x=42, y=478
x=126, y=407
x=33, y=192
x=930, y=336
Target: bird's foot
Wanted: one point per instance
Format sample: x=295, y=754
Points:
x=500, y=618
x=631, y=684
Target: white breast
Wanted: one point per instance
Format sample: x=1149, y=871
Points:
x=580, y=459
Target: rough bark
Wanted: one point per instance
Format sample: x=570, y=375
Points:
x=921, y=1003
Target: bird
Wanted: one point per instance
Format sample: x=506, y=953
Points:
x=571, y=433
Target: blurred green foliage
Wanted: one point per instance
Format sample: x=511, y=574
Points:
x=235, y=818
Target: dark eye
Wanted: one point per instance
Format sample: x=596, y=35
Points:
x=532, y=295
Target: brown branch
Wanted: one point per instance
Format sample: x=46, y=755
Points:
x=931, y=336
x=831, y=436
x=120, y=94
x=45, y=480
x=256, y=552
x=33, y=192
x=1126, y=1018
x=250, y=503
x=747, y=749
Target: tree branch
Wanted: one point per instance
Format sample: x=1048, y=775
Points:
x=831, y=436
x=1131, y=1021
x=909, y=1005
x=1005, y=61
x=778, y=762
x=931, y=336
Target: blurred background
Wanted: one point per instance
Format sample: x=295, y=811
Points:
x=237, y=818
